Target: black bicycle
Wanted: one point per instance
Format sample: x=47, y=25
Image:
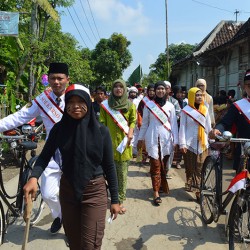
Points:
x=15, y=203
x=212, y=203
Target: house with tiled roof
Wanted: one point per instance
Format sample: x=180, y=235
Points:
x=221, y=58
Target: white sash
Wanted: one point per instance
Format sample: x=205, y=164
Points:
x=49, y=107
x=158, y=112
x=195, y=115
x=243, y=106
x=121, y=122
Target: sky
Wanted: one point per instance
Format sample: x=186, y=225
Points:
x=143, y=23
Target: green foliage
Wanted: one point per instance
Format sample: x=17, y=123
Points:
x=110, y=58
x=176, y=53
x=46, y=43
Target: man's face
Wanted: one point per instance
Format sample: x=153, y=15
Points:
x=168, y=90
x=100, y=96
x=58, y=83
x=132, y=95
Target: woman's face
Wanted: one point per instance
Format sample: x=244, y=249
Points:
x=118, y=90
x=76, y=107
x=201, y=86
x=160, y=91
x=198, y=97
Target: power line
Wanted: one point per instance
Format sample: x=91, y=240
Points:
x=212, y=6
x=236, y=12
x=88, y=21
x=93, y=19
x=82, y=26
x=77, y=28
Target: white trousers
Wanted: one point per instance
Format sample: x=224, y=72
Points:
x=134, y=141
x=50, y=182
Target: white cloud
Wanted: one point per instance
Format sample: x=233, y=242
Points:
x=127, y=19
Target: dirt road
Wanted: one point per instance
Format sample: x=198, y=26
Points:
x=175, y=224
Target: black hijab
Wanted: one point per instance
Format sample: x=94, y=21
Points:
x=80, y=142
x=160, y=101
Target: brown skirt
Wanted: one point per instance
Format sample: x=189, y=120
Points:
x=193, y=166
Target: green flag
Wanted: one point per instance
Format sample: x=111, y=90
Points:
x=136, y=76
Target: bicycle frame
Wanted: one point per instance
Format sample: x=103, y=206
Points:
x=217, y=204
x=16, y=207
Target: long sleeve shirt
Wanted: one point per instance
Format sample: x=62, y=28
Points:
x=117, y=135
x=188, y=133
x=152, y=131
x=28, y=112
x=107, y=166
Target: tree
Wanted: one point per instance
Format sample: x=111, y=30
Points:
x=176, y=53
x=110, y=58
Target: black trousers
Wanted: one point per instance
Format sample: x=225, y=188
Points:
x=84, y=222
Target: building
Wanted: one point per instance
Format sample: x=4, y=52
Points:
x=221, y=58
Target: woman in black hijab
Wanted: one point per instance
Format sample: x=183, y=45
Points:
x=77, y=144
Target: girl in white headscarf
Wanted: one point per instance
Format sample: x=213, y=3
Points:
x=208, y=99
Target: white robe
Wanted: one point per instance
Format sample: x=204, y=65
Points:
x=152, y=129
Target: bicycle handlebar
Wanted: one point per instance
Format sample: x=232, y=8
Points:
x=13, y=137
x=239, y=140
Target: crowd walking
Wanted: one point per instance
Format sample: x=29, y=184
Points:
x=90, y=142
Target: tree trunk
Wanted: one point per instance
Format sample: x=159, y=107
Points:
x=34, y=33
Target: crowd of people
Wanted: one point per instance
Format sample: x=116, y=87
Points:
x=163, y=124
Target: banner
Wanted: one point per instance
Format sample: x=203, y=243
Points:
x=136, y=76
x=9, y=23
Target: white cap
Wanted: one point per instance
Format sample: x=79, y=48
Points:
x=167, y=83
x=133, y=89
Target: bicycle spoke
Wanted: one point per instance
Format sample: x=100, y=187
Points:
x=239, y=226
x=207, y=190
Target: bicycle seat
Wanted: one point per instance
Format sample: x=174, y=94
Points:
x=28, y=145
x=218, y=145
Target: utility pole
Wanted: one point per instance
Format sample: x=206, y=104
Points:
x=168, y=70
x=236, y=14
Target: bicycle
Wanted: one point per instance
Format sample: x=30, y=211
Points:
x=16, y=208
x=239, y=218
x=212, y=204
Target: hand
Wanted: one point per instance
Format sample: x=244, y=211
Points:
x=114, y=210
x=212, y=134
x=130, y=136
x=30, y=188
x=183, y=150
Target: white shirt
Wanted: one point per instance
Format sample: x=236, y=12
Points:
x=27, y=113
x=188, y=133
x=152, y=129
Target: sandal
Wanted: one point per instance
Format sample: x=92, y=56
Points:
x=157, y=201
x=122, y=210
x=187, y=187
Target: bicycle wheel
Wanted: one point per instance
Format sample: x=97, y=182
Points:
x=2, y=224
x=38, y=203
x=238, y=224
x=208, y=189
